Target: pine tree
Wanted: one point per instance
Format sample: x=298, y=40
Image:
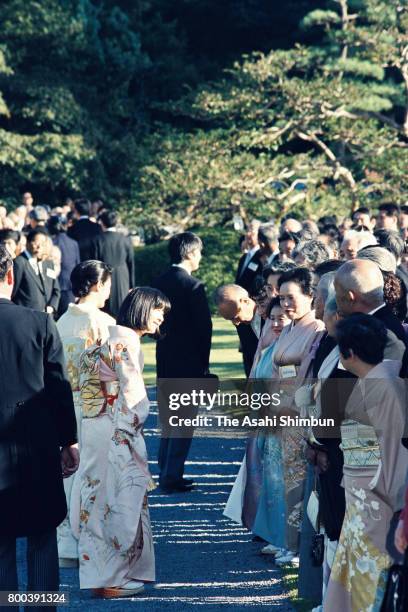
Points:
x=314, y=127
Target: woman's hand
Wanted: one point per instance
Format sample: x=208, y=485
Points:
x=400, y=540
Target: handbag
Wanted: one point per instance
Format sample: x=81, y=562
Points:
x=312, y=509
x=396, y=589
x=313, y=514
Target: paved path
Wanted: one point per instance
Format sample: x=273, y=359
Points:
x=202, y=558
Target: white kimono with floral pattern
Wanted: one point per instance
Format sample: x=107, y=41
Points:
x=112, y=521
x=81, y=326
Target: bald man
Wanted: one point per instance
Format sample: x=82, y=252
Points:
x=359, y=287
x=235, y=305
x=291, y=225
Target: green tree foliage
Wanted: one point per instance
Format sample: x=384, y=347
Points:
x=313, y=127
x=132, y=101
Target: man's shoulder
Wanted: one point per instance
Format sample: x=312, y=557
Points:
x=64, y=239
x=22, y=316
x=21, y=259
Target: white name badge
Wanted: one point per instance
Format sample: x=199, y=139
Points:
x=288, y=371
x=253, y=266
x=51, y=273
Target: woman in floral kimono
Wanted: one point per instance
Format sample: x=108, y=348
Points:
x=81, y=326
x=291, y=364
x=112, y=521
x=375, y=467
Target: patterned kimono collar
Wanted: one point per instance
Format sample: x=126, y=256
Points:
x=117, y=332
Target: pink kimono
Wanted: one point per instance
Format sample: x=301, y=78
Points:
x=112, y=522
x=294, y=353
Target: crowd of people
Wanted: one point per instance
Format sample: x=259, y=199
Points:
x=47, y=243
x=323, y=307
x=319, y=307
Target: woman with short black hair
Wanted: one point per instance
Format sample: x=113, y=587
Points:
x=112, y=518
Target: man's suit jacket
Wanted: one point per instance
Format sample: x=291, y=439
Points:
x=246, y=276
x=37, y=417
x=116, y=250
x=392, y=323
x=32, y=290
x=184, y=350
x=84, y=231
x=69, y=259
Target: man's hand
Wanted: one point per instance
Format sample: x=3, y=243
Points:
x=399, y=538
x=69, y=460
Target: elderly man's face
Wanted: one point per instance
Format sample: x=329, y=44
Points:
x=345, y=303
x=349, y=249
x=319, y=303
x=238, y=312
x=330, y=319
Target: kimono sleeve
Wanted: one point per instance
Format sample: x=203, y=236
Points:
x=132, y=406
x=387, y=418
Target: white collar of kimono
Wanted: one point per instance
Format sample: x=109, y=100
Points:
x=329, y=363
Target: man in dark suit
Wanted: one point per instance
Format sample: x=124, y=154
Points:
x=116, y=250
x=84, y=230
x=35, y=279
x=184, y=349
x=249, y=270
x=37, y=438
x=69, y=259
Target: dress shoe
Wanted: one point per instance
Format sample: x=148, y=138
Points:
x=188, y=481
x=177, y=487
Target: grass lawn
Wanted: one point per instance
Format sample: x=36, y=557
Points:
x=225, y=360
x=290, y=579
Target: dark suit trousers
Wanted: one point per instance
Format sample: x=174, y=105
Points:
x=172, y=456
x=42, y=565
x=174, y=445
